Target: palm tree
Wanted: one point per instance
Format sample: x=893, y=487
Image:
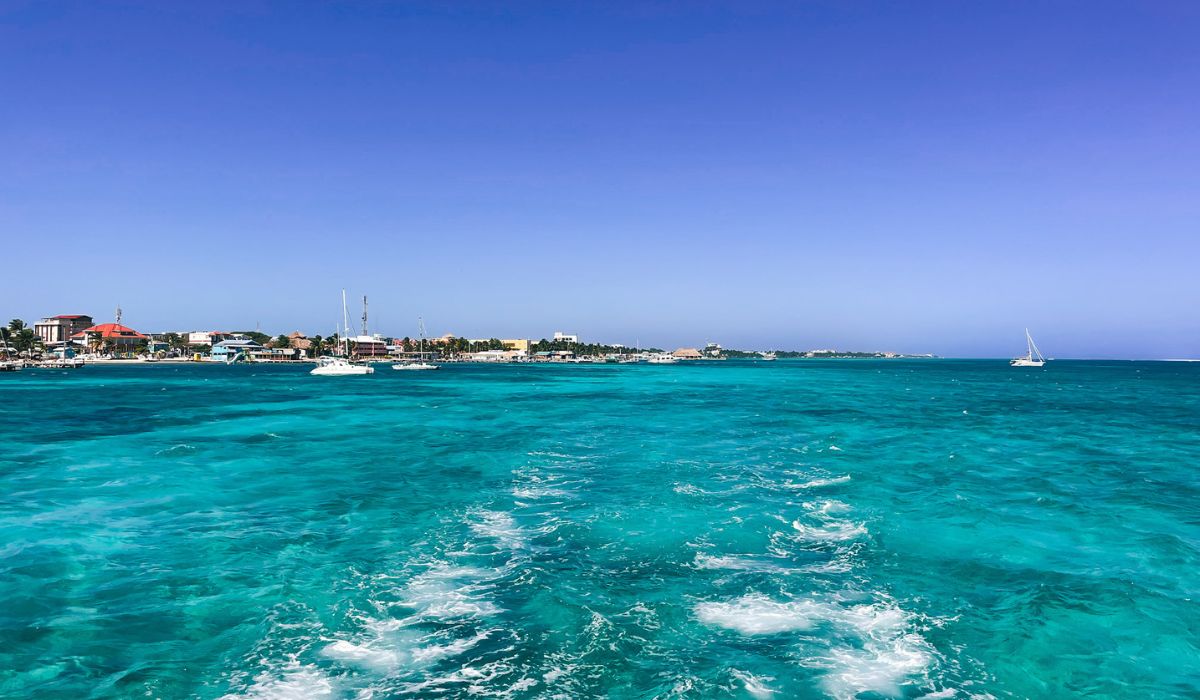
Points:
x=315, y=345
x=283, y=341
x=16, y=325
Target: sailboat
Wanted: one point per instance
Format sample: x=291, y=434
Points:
x=420, y=364
x=340, y=366
x=1033, y=356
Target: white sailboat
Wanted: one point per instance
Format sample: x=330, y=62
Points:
x=419, y=364
x=1033, y=356
x=341, y=366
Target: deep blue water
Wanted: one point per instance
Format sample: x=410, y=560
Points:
x=802, y=529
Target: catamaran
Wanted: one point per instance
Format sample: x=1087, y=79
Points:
x=340, y=366
x=1033, y=356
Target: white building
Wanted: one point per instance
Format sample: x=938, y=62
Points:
x=560, y=337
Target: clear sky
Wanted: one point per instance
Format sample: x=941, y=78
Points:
x=910, y=176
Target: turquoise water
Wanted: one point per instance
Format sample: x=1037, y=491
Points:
x=806, y=529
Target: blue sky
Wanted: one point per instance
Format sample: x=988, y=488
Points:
x=920, y=177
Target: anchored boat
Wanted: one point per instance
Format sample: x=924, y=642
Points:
x=1033, y=357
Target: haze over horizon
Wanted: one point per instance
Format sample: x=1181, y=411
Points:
x=916, y=178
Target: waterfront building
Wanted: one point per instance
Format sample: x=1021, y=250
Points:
x=497, y=356
x=211, y=337
x=687, y=354
x=298, y=340
x=111, y=337
x=56, y=329
x=370, y=346
x=560, y=337
x=262, y=354
x=233, y=350
x=521, y=344
x=712, y=350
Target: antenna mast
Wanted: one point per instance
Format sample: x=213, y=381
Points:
x=365, y=315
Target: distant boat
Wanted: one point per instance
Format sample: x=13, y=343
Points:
x=662, y=358
x=768, y=356
x=1033, y=356
x=420, y=364
x=414, y=366
x=340, y=366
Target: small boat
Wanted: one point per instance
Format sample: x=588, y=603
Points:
x=767, y=356
x=1033, y=356
x=414, y=366
x=662, y=358
x=339, y=367
x=10, y=366
x=419, y=364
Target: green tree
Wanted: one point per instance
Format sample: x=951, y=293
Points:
x=315, y=345
x=28, y=341
x=16, y=325
x=283, y=341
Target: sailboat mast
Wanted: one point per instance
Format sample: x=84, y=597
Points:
x=345, y=323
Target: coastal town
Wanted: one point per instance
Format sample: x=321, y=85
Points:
x=74, y=340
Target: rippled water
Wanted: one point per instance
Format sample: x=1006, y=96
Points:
x=944, y=529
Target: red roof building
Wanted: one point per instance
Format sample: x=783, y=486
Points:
x=114, y=334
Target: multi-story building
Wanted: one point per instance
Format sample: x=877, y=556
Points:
x=519, y=344
x=55, y=329
x=560, y=337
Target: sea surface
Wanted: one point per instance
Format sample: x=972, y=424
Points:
x=796, y=529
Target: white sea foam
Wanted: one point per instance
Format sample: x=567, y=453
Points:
x=887, y=653
x=835, y=448
x=445, y=591
x=737, y=563
x=830, y=531
x=433, y=653
x=364, y=655
x=533, y=493
x=827, y=507
x=501, y=527
x=758, y=614
x=821, y=481
x=293, y=682
x=879, y=666
x=755, y=685
x=890, y=652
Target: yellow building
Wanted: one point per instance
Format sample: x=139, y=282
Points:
x=521, y=344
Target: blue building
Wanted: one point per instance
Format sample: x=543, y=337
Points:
x=235, y=350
